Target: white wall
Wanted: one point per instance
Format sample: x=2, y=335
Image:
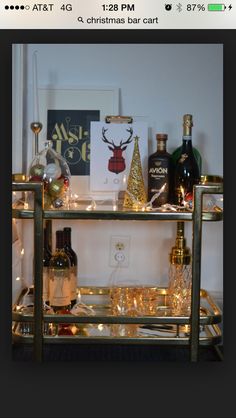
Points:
x=160, y=83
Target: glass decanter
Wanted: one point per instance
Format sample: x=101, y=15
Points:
x=180, y=275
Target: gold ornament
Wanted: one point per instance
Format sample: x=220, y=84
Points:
x=135, y=195
x=56, y=188
x=37, y=170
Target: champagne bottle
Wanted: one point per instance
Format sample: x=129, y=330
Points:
x=46, y=260
x=177, y=153
x=186, y=171
x=160, y=173
x=73, y=261
x=59, y=277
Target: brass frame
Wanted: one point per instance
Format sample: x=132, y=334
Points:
x=199, y=190
x=37, y=188
x=197, y=216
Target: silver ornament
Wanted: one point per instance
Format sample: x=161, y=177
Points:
x=57, y=203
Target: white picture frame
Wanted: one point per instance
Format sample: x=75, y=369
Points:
x=102, y=98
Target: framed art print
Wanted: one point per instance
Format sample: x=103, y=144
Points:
x=66, y=114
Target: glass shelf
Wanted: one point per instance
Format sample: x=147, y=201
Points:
x=124, y=215
x=103, y=326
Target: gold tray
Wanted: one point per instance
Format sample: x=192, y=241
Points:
x=104, y=327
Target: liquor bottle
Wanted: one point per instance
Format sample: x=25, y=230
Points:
x=186, y=171
x=73, y=261
x=160, y=173
x=46, y=260
x=59, y=277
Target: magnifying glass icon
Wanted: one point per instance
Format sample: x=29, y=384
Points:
x=80, y=19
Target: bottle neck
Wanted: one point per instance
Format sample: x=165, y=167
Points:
x=161, y=146
x=59, y=240
x=187, y=133
x=187, y=130
x=187, y=144
x=67, y=237
x=45, y=242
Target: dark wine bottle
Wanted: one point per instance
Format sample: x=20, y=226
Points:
x=187, y=172
x=73, y=261
x=59, y=277
x=48, y=227
x=160, y=173
x=47, y=255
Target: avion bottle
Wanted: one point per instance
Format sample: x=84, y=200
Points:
x=160, y=173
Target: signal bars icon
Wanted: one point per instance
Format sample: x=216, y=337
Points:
x=17, y=7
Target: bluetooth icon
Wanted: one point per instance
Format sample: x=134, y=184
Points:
x=179, y=7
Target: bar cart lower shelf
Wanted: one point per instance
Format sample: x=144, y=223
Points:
x=160, y=329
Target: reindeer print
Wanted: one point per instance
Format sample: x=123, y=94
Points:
x=116, y=163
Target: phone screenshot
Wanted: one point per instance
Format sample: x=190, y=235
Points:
x=116, y=124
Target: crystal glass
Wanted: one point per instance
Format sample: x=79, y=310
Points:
x=131, y=299
x=180, y=289
x=51, y=168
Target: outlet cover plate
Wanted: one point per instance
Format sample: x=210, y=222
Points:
x=119, y=250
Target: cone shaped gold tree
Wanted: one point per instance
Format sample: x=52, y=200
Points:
x=135, y=195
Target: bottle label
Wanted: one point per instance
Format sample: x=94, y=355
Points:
x=73, y=282
x=158, y=176
x=183, y=157
x=158, y=170
x=59, y=287
x=45, y=284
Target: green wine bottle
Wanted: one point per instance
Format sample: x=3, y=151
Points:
x=177, y=153
x=187, y=172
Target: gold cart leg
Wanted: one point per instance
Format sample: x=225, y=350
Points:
x=196, y=271
x=199, y=190
x=38, y=272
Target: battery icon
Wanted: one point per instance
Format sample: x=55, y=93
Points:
x=216, y=7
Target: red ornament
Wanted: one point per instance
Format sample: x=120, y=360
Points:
x=66, y=181
x=65, y=330
x=35, y=178
x=189, y=199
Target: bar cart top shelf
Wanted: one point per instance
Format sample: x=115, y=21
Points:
x=117, y=215
x=106, y=211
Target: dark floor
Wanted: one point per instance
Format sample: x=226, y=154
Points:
x=108, y=352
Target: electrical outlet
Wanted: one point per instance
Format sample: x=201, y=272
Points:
x=119, y=250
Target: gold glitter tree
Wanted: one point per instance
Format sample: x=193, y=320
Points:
x=135, y=195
